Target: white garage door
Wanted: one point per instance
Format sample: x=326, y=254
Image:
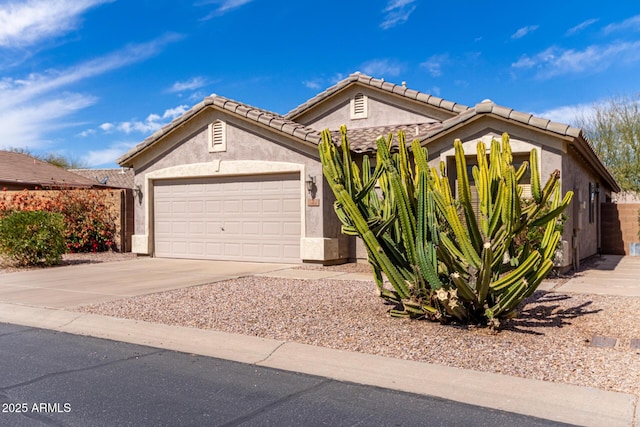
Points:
x=252, y=218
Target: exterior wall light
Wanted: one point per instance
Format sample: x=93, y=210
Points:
x=311, y=184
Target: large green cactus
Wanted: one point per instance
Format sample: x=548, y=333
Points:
x=443, y=260
x=484, y=261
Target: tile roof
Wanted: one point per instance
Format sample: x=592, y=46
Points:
x=364, y=140
x=363, y=79
x=264, y=117
x=21, y=169
x=578, y=139
x=119, y=178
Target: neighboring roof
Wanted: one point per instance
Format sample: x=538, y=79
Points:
x=363, y=79
x=578, y=139
x=20, y=169
x=243, y=111
x=119, y=178
x=364, y=140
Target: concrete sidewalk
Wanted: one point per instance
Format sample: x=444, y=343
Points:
x=612, y=275
x=26, y=303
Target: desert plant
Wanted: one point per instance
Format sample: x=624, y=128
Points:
x=442, y=262
x=33, y=237
x=491, y=270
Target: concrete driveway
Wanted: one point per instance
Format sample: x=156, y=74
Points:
x=66, y=287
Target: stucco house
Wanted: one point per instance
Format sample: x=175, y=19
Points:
x=230, y=181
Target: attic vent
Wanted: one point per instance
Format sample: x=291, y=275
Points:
x=217, y=137
x=359, y=106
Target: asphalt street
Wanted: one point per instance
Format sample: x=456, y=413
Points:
x=56, y=379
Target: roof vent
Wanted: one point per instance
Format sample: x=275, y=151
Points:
x=486, y=100
x=359, y=106
x=217, y=137
x=404, y=84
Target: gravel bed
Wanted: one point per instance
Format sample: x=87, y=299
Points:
x=550, y=340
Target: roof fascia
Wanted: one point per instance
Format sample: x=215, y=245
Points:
x=299, y=136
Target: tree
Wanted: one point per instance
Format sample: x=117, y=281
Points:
x=613, y=128
x=52, y=158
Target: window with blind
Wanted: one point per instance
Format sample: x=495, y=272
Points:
x=518, y=159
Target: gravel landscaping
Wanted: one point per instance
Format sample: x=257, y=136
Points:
x=551, y=340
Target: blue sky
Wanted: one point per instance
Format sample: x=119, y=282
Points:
x=88, y=79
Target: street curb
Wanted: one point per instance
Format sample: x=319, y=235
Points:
x=553, y=401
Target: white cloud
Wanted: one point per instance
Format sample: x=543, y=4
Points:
x=524, y=31
x=152, y=123
x=630, y=24
x=568, y=114
x=32, y=105
x=172, y=113
x=397, y=12
x=314, y=84
x=581, y=26
x=224, y=6
x=107, y=156
x=555, y=61
x=27, y=22
x=188, y=85
x=382, y=67
x=25, y=125
x=434, y=64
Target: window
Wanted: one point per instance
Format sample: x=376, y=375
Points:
x=359, y=106
x=217, y=137
x=593, y=194
x=518, y=159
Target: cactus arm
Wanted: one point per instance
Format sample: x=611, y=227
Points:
x=554, y=212
x=510, y=298
x=346, y=162
x=464, y=197
x=484, y=275
x=513, y=276
x=536, y=190
x=425, y=249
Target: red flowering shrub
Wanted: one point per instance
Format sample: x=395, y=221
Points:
x=90, y=223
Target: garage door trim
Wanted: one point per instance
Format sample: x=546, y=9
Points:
x=143, y=244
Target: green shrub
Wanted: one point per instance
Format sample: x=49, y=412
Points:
x=33, y=237
x=90, y=221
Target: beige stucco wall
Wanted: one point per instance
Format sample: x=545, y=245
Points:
x=579, y=231
x=250, y=149
x=382, y=110
x=552, y=154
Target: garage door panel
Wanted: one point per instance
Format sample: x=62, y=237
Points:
x=251, y=229
x=196, y=206
x=291, y=251
x=252, y=250
x=250, y=206
x=213, y=206
x=291, y=229
x=197, y=227
x=272, y=228
x=234, y=218
x=232, y=206
x=290, y=206
x=178, y=206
